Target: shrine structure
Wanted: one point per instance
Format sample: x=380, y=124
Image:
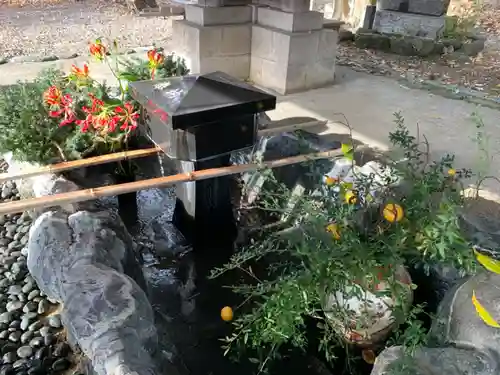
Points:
x=276, y=44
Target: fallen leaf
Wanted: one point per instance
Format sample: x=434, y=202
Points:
x=483, y=313
x=369, y=356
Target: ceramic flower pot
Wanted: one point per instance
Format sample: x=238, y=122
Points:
x=370, y=313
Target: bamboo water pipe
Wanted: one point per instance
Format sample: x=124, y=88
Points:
x=127, y=155
x=107, y=191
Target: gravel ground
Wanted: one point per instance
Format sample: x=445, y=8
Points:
x=65, y=29
x=31, y=334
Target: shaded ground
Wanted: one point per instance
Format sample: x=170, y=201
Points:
x=480, y=73
x=67, y=28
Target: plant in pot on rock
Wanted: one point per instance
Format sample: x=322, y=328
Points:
x=61, y=117
x=341, y=263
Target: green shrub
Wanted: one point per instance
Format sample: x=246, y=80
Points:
x=25, y=126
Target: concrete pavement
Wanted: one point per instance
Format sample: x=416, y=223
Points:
x=368, y=102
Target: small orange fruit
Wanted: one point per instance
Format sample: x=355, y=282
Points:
x=350, y=197
x=333, y=228
x=393, y=212
x=330, y=181
x=226, y=314
x=452, y=172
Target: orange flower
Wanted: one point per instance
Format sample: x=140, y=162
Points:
x=52, y=96
x=97, y=50
x=81, y=73
x=155, y=60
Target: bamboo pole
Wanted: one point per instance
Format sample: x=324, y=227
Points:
x=127, y=155
x=74, y=164
x=129, y=187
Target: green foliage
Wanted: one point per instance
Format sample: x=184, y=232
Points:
x=25, y=126
x=295, y=272
x=138, y=69
x=71, y=116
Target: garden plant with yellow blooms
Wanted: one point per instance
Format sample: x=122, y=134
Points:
x=344, y=233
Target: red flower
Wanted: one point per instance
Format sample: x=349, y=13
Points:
x=52, y=96
x=127, y=116
x=155, y=59
x=97, y=50
x=81, y=73
x=92, y=120
x=64, y=108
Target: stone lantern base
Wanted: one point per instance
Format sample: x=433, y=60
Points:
x=286, y=51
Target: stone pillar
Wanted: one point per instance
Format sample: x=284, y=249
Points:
x=290, y=49
x=215, y=36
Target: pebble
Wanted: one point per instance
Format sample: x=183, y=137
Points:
x=14, y=306
x=60, y=365
x=28, y=340
x=9, y=357
x=44, y=331
x=36, y=342
x=25, y=351
x=26, y=336
x=55, y=321
x=15, y=336
x=43, y=306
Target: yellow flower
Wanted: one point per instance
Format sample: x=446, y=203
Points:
x=333, y=228
x=393, y=212
x=350, y=197
x=226, y=314
x=452, y=172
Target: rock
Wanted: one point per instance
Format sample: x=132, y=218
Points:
x=26, y=336
x=372, y=41
x=126, y=326
x=43, y=306
x=61, y=364
x=33, y=294
x=9, y=347
x=7, y=369
x=424, y=46
x=41, y=353
x=19, y=364
x=24, y=324
x=25, y=351
x=15, y=336
x=27, y=288
x=9, y=357
x=36, y=342
x=55, y=321
x=14, y=306
x=30, y=306
x=44, y=331
x=35, y=326
x=472, y=48
x=402, y=46
x=48, y=339
x=6, y=317
x=15, y=289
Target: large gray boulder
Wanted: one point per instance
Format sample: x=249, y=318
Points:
x=84, y=258
x=460, y=342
